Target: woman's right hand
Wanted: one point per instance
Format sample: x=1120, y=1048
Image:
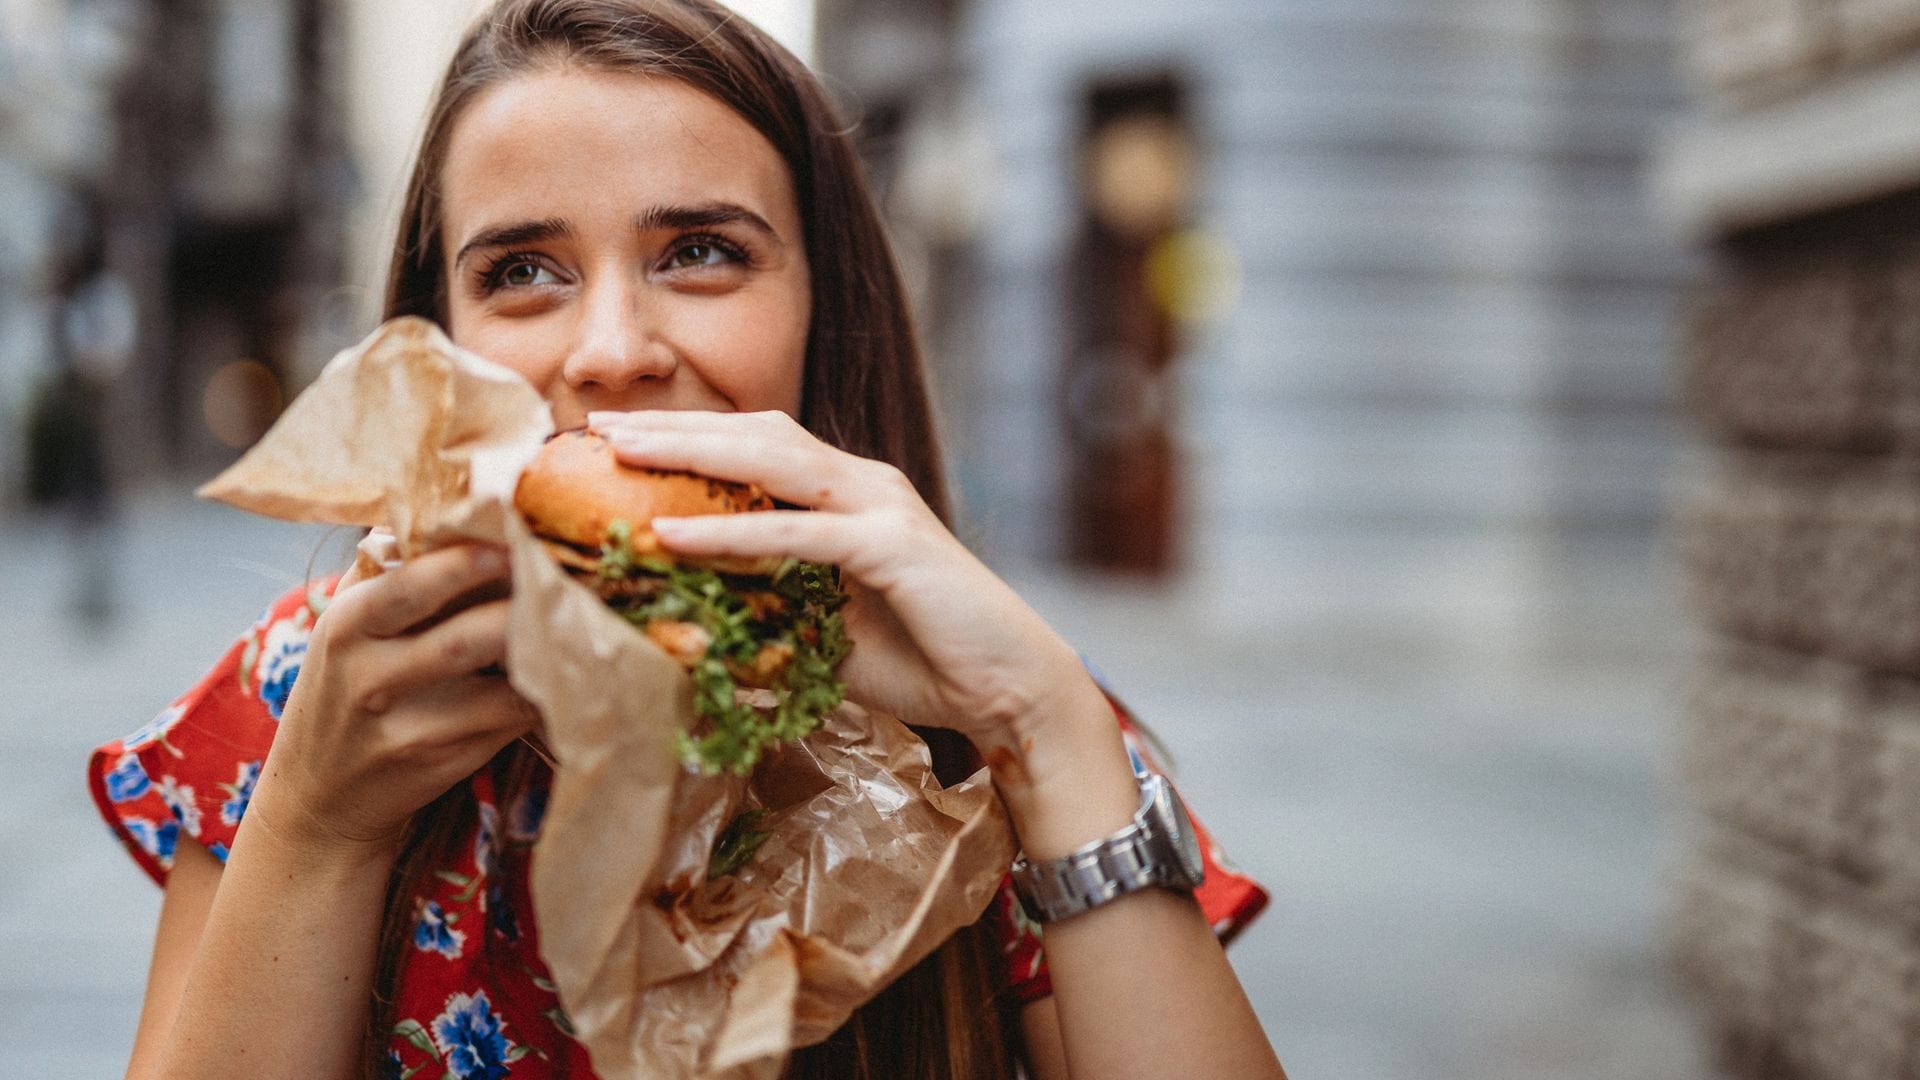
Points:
x=392, y=706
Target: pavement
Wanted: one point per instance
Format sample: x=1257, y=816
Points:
x=1445, y=753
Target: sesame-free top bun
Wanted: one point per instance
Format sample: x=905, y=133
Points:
x=574, y=490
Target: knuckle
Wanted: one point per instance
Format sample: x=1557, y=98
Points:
x=525, y=711
x=326, y=629
x=344, y=613
x=372, y=700
x=414, y=754
x=507, y=710
x=432, y=568
x=893, y=520
x=454, y=566
x=460, y=651
x=781, y=527
x=386, y=597
x=887, y=475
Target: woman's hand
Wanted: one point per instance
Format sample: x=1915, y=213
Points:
x=392, y=706
x=938, y=639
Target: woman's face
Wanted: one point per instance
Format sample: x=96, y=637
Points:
x=624, y=242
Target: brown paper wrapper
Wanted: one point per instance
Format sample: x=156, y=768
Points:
x=869, y=863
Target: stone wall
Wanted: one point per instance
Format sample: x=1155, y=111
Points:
x=1798, y=923
x=1750, y=51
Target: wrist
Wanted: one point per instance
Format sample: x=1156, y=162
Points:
x=276, y=832
x=1063, y=772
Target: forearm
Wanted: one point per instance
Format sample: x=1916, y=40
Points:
x=1141, y=988
x=280, y=985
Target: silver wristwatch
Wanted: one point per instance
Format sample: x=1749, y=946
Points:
x=1158, y=848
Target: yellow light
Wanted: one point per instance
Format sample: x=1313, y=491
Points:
x=1193, y=275
x=240, y=402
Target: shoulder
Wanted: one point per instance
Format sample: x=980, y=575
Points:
x=193, y=766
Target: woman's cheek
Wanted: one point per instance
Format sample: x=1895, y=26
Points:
x=753, y=356
x=515, y=346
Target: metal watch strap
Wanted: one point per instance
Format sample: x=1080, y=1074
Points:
x=1143, y=854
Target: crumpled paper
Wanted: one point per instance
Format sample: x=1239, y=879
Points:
x=870, y=864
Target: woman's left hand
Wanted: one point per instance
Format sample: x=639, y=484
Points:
x=938, y=638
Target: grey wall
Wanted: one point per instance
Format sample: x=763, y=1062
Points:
x=1454, y=306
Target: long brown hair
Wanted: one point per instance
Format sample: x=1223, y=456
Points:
x=864, y=390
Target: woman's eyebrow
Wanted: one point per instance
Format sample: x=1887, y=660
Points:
x=519, y=232
x=701, y=215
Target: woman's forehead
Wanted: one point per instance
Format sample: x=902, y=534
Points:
x=572, y=143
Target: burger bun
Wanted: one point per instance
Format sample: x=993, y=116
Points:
x=574, y=490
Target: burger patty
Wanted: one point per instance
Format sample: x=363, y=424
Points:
x=685, y=641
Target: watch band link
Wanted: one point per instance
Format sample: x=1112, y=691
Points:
x=1136, y=857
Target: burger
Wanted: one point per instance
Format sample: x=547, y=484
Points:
x=732, y=623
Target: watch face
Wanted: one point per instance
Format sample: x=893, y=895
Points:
x=1186, y=842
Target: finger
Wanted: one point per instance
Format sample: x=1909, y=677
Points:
x=456, y=648
x=396, y=602
x=474, y=707
x=810, y=536
x=456, y=726
x=617, y=425
x=610, y=423
x=767, y=449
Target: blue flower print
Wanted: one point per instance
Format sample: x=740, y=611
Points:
x=279, y=664
x=128, y=781
x=470, y=1038
x=155, y=728
x=523, y=818
x=179, y=799
x=434, y=932
x=486, y=839
x=241, y=791
x=500, y=914
x=393, y=1068
x=156, y=840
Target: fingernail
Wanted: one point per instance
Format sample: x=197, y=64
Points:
x=490, y=561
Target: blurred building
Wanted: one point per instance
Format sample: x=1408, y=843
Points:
x=1799, y=171
x=1405, y=280
x=201, y=200
x=182, y=183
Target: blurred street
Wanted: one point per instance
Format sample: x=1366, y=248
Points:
x=1440, y=750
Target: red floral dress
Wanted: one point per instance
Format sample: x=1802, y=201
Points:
x=474, y=999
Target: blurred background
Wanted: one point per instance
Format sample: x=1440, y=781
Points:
x=1322, y=368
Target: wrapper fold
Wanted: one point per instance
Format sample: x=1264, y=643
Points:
x=868, y=865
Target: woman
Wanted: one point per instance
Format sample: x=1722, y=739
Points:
x=648, y=211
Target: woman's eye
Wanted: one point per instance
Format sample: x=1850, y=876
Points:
x=525, y=273
x=698, y=253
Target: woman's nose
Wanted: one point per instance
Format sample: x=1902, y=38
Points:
x=618, y=341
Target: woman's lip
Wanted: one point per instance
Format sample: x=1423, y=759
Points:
x=566, y=431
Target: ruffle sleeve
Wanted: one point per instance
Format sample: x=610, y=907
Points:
x=1229, y=899
x=192, y=768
